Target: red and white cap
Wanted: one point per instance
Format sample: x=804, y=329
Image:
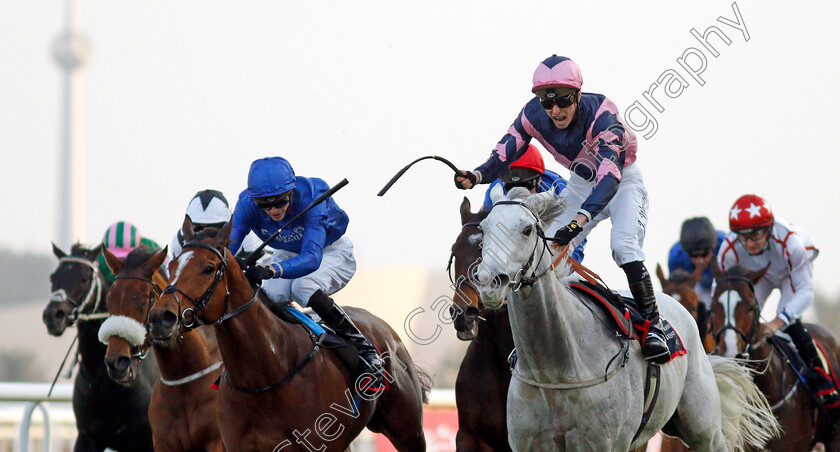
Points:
x=750, y=212
x=531, y=159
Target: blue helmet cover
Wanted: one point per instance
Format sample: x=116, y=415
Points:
x=270, y=176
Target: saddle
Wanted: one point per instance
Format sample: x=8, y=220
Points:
x=626, y=317
x=784, y=345
x=345, y=351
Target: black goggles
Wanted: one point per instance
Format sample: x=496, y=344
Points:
x=529, y=184
x=198, y=227
x=699, y=253
x=270, y=202
x=549, y=98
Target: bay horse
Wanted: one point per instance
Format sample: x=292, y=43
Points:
x=483, y=378
x=108, y=415
x=578, y=386
x=279, y=385
x=681, y=287
x=738, y=330
x=182, y=411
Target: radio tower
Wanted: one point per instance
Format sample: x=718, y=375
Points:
x=70, y=51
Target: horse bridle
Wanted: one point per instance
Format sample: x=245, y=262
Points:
x=202, y=301
x=94, y=291
x=526, y=276
x=143, y=349
x=747, y=338
x=463, y=281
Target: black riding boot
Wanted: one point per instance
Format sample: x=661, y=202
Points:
x=654, y=347
x=815, y=375
x=702, y=321
x=337, y=319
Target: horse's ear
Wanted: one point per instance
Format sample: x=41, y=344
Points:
x=497, y=193
x=223, y=236
x=660, y=274
x=94, y=253
x=187, y=229
x=61, y=254
x=466, y=214
x=114, y=263
x=157, y=260
x=758, y=274
x=716, y=271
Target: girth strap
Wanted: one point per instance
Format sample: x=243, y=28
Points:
x=652, y=379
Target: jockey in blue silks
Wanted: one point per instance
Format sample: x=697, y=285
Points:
x=529, y=172
x=312, y=257
x=699, y=244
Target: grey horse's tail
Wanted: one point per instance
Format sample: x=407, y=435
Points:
x=746, y=417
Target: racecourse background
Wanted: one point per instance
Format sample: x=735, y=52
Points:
x=181, y=97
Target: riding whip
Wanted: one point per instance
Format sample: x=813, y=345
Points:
x=251, y=258
x=402, y=171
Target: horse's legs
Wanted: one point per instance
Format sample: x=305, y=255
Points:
x=467, y=442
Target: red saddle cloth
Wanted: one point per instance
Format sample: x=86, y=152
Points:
x=626, y=317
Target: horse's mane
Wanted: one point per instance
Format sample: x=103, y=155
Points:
x=738, y=270
x=79, y=250
x=544, y=205
x=138, y=256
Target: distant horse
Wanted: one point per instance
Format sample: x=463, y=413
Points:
x=183, y=406
x=576, y=385
x=279, y=385
x=737, y=328
x=681, y=286
x=483, y=379
x=108, y=415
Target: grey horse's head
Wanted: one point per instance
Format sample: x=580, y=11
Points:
x=511, y=240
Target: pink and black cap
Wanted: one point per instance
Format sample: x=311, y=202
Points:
x=557, y=72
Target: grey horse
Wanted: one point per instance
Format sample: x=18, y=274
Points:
x=561, y=397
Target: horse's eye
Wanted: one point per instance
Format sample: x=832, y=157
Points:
x=208, y=270
x=84, y=279
x=528, y=230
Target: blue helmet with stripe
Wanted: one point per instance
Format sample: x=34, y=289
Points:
x=270, y=176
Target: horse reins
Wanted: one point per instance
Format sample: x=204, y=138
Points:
x=205, y=298
x=94, y=291
x=522, y=274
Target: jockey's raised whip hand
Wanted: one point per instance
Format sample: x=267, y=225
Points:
x=466, y=180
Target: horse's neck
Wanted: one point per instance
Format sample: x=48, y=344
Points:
x=189, y=355
x=548, y=326
x=91, y=350
x=769, y=367
x=258, y=348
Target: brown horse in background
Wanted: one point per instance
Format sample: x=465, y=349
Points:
x=182, y=411
x=108, y=415
x=802, y=425
x=279, y=385
x=483, y=379
x=681, y=286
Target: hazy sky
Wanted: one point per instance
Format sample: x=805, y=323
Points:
x=181, y=96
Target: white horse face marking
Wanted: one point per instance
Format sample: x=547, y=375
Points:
x=475, y=239
x=183, y=260
x=729, y=300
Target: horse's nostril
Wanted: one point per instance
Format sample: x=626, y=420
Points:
x=500, y=281
x=58, y=314
x=119, y=365
x=165, y=320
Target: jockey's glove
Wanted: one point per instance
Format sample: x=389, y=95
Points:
x=469, y=175
x=565, y=234
x=257, y=273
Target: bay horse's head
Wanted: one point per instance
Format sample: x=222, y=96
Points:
x=465, y=256
x=136, y=286
x=513, y=247
x=736, y=314
x=76, y=287
x=681, y=287
x=197, y=293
